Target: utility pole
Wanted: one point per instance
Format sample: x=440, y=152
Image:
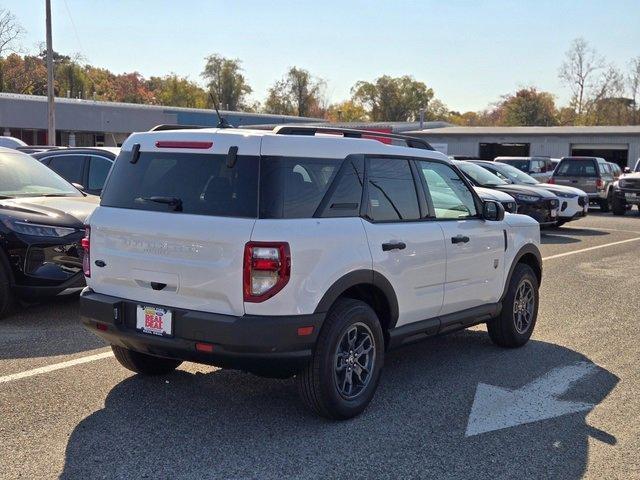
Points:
x=51, y=124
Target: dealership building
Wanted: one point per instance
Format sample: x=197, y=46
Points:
x=86, y=123
x=94, y=123
x=618, y=144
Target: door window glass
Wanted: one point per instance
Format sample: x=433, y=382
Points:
x=392, y=192
x=450, y=196
x=98, y=170
x=68, y=167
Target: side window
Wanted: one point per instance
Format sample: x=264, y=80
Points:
x=392, y=191
x=294, y=187
x=450, y=196
x=98, y=170
x=347, y=193
x=68, y=167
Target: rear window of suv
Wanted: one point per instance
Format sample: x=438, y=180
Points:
x=203, y=183
x=576, y=168
x=288, y=187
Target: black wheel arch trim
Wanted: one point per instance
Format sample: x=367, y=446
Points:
x=525, y=250
x=361, y=277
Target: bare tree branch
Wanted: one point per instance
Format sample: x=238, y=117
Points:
x=577, y=70
x=10, y=32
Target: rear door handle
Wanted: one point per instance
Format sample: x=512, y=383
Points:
x=393, y=246
x=459, y=239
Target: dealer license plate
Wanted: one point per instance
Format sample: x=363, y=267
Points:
x=154, y=320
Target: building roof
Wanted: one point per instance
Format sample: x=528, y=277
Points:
x=140, y=106
x=30, y=111
x=547, y=131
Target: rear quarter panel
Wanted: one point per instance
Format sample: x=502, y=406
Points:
x=322, y=251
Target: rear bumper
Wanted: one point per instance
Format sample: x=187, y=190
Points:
x=253, y=343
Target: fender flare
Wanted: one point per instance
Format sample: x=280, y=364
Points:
x=529, y=248
x=361, y=277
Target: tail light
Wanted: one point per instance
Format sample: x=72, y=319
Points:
x=86, y=246
x=551, y=181
x=266, y=270
x=599, y=183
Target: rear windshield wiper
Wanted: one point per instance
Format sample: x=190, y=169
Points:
x=173, y=202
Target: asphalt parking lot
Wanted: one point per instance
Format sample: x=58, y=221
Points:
x=94, y=419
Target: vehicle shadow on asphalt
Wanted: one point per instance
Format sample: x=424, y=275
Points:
x=49, y=328
x=548, y=238
x=228, y=424
x=559, y=236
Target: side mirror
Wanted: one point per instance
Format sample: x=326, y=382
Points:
x=492, y=211
x=627, y=170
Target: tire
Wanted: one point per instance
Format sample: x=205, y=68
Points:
x=5, y=292
x=323, y=388
x=144, y=364
x=618, y=206
x=506, y=329
x=605, y=204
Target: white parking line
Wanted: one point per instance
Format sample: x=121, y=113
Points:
x=56, y=366
x=566, y=254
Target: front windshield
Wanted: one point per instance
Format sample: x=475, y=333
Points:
x=24, y=176
x=479, y=175
x=513, y=174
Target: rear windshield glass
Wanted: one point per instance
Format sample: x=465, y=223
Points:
x=294, y=187
x=201, y=184
x=576, y=168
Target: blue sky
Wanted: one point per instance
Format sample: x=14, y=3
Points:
x=469, y=52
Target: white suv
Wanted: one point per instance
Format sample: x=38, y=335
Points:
x=301, y=251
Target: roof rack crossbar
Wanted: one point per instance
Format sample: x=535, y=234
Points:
x=311, y=130
x=167, y=126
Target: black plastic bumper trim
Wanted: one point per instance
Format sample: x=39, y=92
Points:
x=239, y=341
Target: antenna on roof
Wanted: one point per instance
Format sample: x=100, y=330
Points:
x=222, y=122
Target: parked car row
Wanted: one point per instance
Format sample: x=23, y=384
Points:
x=577, y=182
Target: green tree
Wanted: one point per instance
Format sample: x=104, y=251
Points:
x=298, y=93
x=226, y=82
x=527, y=107
x=392, y=99
x=177, y=91
x=26, y=75
x=347, y=111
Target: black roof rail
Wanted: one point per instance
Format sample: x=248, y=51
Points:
x=311, y=130
x=167, y=126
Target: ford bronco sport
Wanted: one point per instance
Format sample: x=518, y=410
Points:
x=302, y=251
